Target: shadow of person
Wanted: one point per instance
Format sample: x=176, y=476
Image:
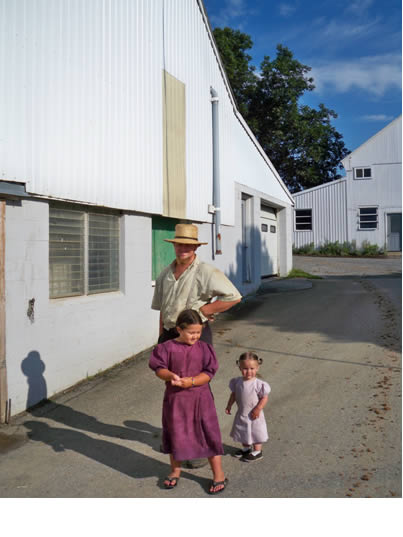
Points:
x=140, y=426
x=115, y=456
x=143, y=432
x=33, y=368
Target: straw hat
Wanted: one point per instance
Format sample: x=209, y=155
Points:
x=186, y=234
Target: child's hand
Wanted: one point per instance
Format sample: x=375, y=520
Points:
x=228, y=410
x=185, y=382
x=175, y=378
x=255, y=413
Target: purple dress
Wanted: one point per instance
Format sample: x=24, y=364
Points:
x=190, y=428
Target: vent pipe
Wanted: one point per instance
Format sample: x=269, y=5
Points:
x=216, y=170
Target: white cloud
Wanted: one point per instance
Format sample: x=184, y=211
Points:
x=359, y=7
x=377, y=117
x=333, y=30
x=286, y=9
x=374, y=75
x=233, y=9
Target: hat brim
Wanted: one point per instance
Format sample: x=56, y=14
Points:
x=186, y=241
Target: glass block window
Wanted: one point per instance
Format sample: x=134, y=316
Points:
x=303, y=219
x=103, y=253
x=368, y=217
x=83, y=252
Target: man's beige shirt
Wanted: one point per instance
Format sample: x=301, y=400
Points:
x=192, y=290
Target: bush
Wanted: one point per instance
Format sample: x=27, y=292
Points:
x=330, y=249
x=308, y=249
x=368, y=249
x=335, y=249
x=349, y=248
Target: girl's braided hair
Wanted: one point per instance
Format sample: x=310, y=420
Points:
x=249, y=356
x=187, y=317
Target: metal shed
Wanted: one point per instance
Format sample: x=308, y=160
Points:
x=364, y=206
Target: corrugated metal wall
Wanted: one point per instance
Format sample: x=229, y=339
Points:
x=81, y=107
x=80, y=83
x=190, y=58
x=383, y=154
x=382, y=148
x=329, y=214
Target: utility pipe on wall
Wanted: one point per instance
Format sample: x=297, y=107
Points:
x=216, y=170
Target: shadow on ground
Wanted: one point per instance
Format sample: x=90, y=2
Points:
x=123, y=459
x=339, y=307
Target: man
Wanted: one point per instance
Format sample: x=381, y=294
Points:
x=188, y=283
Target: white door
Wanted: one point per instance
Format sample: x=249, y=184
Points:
x=394, y=237
x=268, y=235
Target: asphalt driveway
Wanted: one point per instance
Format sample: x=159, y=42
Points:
x=331, y=352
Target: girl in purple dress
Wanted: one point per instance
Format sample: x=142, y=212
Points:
x=190, y=427
x=251, y=395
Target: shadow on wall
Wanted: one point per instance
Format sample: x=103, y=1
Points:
x=252, y=261
x=33, y=368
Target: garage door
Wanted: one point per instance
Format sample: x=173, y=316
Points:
x=268, y=234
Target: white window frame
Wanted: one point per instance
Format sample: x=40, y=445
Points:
x=79, y=258
x=359, y=173
x=296, y=217
x=371, y=211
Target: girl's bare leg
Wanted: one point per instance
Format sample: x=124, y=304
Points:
x=175, y=470
x=218, y=472
x=257, y=447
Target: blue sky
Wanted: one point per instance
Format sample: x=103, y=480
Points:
x=353, y=47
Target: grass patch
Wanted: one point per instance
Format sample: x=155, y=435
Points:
x=297, y=273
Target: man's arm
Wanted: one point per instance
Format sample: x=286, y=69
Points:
x=208, y=310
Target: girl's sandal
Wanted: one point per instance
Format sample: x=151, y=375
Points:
x=216, y=484
x=171, y=479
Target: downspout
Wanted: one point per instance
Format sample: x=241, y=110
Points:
x=216, y=171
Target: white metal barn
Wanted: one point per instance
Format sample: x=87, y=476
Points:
x=364, y=206
x=116, y=122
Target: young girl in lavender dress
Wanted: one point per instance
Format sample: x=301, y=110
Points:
x=251, y=395
x=190, y=428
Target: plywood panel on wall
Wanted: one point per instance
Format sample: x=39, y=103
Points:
x=174, y=146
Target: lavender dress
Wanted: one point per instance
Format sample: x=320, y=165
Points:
x=190, y=428
x=247, y=395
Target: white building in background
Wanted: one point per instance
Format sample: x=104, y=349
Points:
x=364, y=206
x=106, y=142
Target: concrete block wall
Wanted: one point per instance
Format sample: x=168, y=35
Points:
x=65, y=340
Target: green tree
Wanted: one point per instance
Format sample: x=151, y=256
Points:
x=233, y=45
x=300, y=141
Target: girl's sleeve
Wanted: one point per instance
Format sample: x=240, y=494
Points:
x=232, y=384
x=159, y=358
x=264, y=389
x=210, y=363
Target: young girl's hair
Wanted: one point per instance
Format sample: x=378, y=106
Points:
x=249, y=356
x=187, y=317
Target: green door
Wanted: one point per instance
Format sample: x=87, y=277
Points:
x=163, y=252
